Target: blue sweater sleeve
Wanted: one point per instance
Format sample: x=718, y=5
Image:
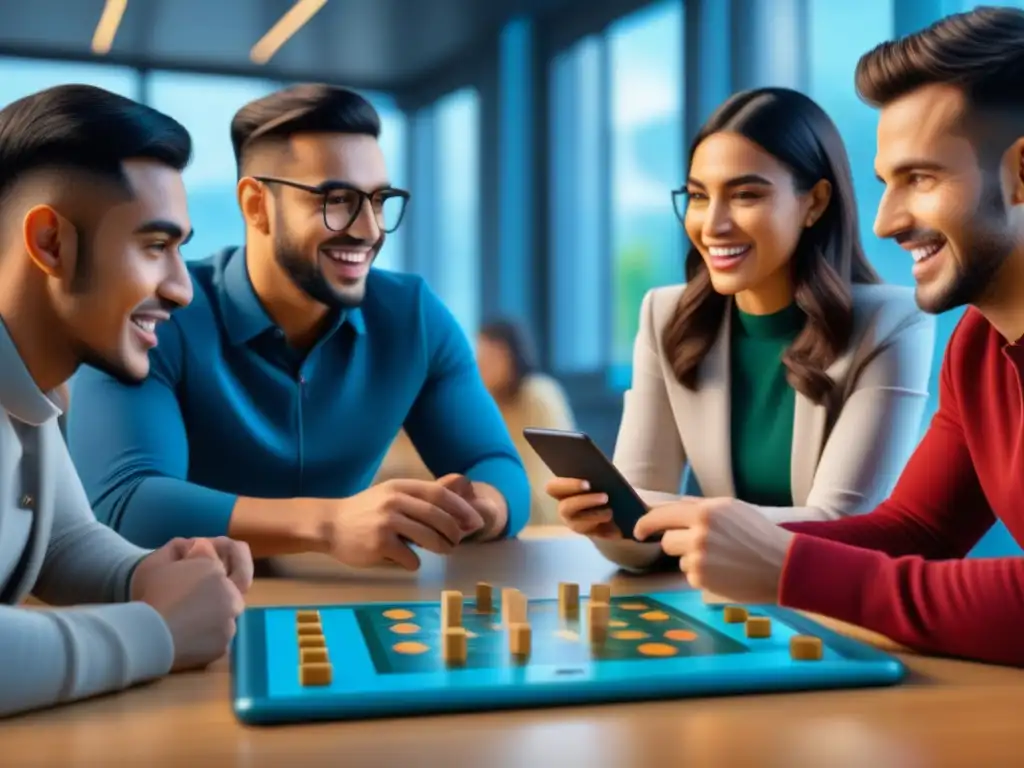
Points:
x=455, y=424
x=130, y=447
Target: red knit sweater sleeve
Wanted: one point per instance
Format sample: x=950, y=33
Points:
x=899, y=570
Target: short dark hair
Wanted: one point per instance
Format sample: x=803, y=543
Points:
x=304, y=108
x=87, y=129
x=980, y=51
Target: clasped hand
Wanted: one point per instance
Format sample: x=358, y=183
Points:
x=383, y=523
x=197, y=587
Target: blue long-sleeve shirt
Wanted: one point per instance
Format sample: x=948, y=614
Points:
x=230, y=409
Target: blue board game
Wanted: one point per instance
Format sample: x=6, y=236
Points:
x=344, y=662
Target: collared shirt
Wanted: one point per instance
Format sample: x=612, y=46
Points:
x=52, y=546
x=231, y=409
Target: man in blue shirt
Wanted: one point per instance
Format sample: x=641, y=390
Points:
x=274, y=396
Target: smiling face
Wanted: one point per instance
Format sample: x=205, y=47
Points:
x=118, y=272
x=745, y=217
x=940, y=204
x=329, y=266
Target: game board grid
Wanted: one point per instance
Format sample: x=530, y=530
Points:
x=558, y=641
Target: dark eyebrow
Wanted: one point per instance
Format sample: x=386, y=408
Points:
x=164, y=227
x=911, y=166
x=332, y=185
x=738, y=181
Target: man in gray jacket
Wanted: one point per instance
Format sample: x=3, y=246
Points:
x=92, y=214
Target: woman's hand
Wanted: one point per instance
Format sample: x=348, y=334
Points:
x=582, y=511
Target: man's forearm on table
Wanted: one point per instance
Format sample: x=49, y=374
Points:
x=275, y=527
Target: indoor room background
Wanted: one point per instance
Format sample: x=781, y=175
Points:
x=540, y=138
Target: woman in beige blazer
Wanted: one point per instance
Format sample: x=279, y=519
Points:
x=783, y=372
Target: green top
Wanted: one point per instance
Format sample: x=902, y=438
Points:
x=762, y=405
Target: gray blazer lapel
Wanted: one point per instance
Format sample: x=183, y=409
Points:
x=810, y=424
x=705, y=426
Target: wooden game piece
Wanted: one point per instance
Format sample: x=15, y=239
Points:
x=598, y=616
x=600, y=593
x=506, y=603
x=454, y=649
x=759, y=627
x=310, y=629
x=513, y=607
x=313, y=656
x=520, y=609
x=312, y=641
x=315, y=674
x=806, y=648
x=734, y=614
x=710, y=598
x=484, y=597
x=568, y=599
x=307, y=617
x=451, y=609
x=519, y=640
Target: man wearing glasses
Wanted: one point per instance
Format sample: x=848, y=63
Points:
x=273, y=398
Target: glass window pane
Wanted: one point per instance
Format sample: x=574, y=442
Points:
x=839, y=36
x=455, y=260
x=205, y=106
x=21, y=77
x=646, y=63
x=577, y=209
x=392, y=142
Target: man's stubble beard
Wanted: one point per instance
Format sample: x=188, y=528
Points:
x=309, y=278
x=983, y=254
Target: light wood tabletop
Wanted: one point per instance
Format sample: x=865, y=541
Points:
x=948, y=713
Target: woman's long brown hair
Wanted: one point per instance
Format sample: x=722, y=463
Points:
x=828, y=259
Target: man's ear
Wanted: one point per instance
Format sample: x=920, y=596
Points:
x=252, y=201
x=50, y=241
x=1013, y=171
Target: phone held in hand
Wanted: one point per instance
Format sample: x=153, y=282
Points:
x=574, y=455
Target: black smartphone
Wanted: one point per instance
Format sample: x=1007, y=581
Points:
x=574, y=454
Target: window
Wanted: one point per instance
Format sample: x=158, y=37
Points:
x=21, y=77
x=454, y=261
x=392, y=143
x=645, y=52
x=839, y=36
x=577, y=211
x=205, y=106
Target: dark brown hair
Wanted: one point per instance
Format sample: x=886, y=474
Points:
x=828, y=258
x=514, y=338
x=981, y=51
x=298, y=109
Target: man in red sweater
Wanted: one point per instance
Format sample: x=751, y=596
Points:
x=951, y=156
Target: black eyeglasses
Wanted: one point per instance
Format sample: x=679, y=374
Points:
x=679, y=200
x=342, y=203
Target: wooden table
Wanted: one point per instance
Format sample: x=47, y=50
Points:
x=949, y=713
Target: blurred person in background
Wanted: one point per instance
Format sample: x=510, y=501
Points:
x=526, y=397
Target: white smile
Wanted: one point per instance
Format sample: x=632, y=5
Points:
x=925, y=252
x=730, y=252
x=348, y=257
x=147, y=324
